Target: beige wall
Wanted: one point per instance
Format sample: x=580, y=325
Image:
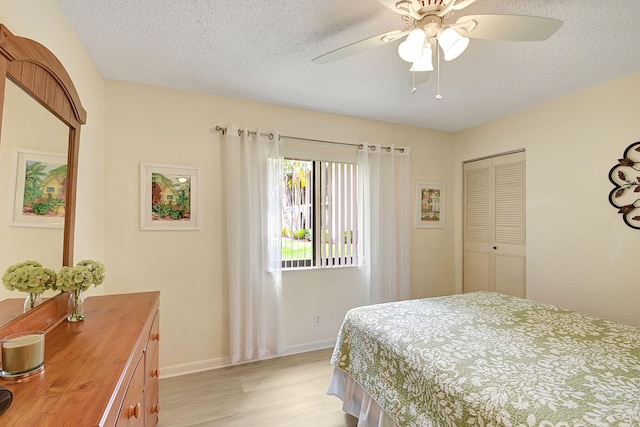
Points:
x=154, y=125
x=580, y=254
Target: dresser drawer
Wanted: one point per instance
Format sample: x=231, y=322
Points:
x=132, y=409
x=152, y=374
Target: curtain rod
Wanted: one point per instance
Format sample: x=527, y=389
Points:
x=298, y=138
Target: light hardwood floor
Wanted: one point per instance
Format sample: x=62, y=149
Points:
x=284, y=392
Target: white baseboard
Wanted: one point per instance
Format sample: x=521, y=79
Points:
x=222, y=362
x=303, y=348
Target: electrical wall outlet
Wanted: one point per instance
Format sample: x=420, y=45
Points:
x=316, y=320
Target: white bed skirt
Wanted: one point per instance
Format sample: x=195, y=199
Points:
x=357, y=402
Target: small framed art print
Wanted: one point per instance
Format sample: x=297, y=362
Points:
x=168, y=197
x=429, y=205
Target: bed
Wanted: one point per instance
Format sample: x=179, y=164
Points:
x=485, y=359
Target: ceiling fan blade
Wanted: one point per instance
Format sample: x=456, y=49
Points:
x=391, y=4
x=360, y=46
x=462, y=4
x=455, y=6
x=509, y=27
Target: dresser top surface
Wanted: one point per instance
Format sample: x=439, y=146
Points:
x=86, y=363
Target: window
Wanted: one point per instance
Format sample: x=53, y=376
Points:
x=320, y=213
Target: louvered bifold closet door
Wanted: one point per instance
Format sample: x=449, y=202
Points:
x=478, y=225
x=509, y=265
x=510, y=203
x=495, y=225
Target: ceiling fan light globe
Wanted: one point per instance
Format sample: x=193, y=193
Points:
x=410, y=50
x=416, y=36
x=452, y=43
x=425, y=63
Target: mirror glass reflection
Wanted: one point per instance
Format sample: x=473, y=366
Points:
x=31, y=227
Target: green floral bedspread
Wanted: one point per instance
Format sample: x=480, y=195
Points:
x=487, y=359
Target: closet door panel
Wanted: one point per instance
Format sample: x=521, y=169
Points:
x=477, y=272
x=509, y=199
x=510, y=275
x=477, y=226
x=477, y=206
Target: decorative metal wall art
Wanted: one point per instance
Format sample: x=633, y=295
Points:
x=626, y=194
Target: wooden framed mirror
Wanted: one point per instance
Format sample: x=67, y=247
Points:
x=29, y=68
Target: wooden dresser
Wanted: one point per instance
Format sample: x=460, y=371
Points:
x=102, y=371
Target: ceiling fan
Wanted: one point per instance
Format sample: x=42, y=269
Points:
x=429, y=25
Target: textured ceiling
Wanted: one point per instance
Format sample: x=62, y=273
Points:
x=261, y=50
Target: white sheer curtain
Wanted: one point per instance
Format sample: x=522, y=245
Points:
x=252, y=176
x=384, y=218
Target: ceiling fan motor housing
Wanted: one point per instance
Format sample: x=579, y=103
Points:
x=418, y=9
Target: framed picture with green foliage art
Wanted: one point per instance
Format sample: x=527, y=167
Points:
x=40, y=189
x=429, y=205
x=168, y=197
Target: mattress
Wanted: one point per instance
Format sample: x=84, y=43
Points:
x=487, y=359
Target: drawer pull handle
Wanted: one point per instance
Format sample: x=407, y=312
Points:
x=134, y=411
x=155, y=372
x=155, y=337
x=155, y=409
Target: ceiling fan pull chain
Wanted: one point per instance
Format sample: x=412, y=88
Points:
x=438, y=96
